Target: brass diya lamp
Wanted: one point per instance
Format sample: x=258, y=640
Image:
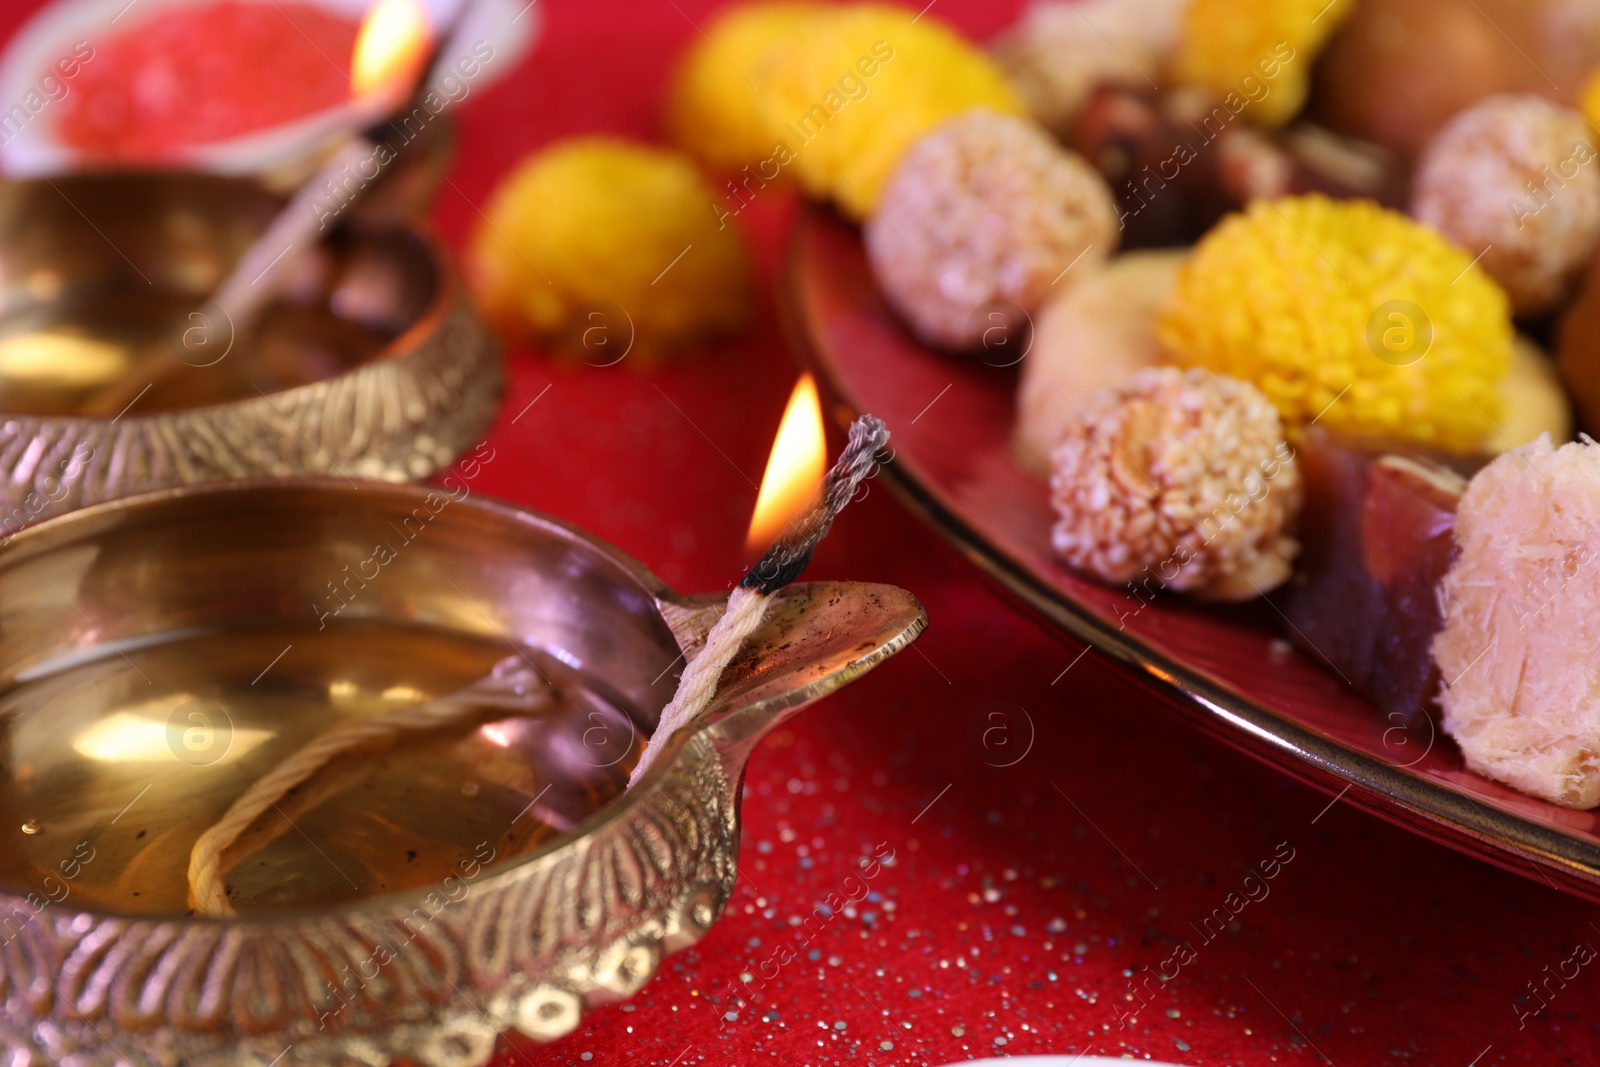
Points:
x=371, y=364
x=167, y=328
x=238, y=829
x=411, y=903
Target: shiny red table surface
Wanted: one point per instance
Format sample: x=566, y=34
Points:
x=1060, y=841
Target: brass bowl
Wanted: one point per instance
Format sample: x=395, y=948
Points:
x=373, y=365
x=162, y=652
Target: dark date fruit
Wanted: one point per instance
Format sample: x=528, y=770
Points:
x=1377, y=535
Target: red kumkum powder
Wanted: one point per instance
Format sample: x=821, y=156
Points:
x=206, y=73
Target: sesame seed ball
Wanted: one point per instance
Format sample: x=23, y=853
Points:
x=985, y=208
x=1180, y=477
x=1516, y=175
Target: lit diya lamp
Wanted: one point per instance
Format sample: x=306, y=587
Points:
x=411, y=890
x=170, y=376
x=232, y=86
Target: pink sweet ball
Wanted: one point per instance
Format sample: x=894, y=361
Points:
x=1517, y=178
x=985, y=209
x=1522, y=620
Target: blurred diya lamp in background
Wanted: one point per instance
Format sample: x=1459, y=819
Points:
x=115, y=378
x=410, y=901
x=133, y=351
x=236, y=86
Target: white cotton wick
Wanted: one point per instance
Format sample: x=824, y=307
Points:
x=782, y=563
x=512, y=687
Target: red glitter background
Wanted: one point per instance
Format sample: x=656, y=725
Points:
x=1022, y=900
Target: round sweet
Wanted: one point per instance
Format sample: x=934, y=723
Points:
x=986, y=208
x=1350, y=315
x=1181, y=480
x=618, y=232
x=1256, y=52
x=847, y=94
x=1097, y=335
x=1061, y=49
x=714, y=108
x=1577, y=348
x=1521, y=619
x=1536, y=403
x=1515, y=177
x=1565, y=45
x=1371, y=86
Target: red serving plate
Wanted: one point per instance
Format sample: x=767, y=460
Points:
x=1228, y=669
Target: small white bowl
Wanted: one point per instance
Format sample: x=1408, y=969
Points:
x=507, y=26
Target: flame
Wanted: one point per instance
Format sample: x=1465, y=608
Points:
x=794, y=470
x=390, y=45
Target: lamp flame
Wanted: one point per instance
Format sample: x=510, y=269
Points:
x=390, y=45
x=794, y=470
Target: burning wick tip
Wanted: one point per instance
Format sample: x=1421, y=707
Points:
x=788, y=556
x=747, y=607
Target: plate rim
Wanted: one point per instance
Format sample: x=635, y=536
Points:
x=1386, y=790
